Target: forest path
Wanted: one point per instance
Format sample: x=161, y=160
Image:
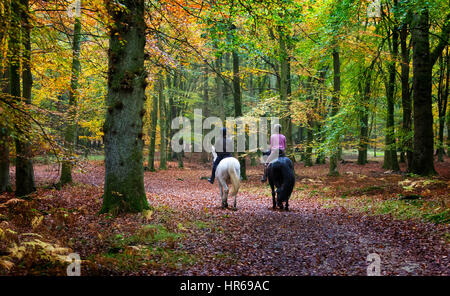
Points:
x=307, y=240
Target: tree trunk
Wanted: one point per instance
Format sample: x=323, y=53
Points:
x=442, y=102
x=284, y=89
x=320, y=154
x=174, y=110
x=204, y=155
x=406, y=139
x=374, y=135
x=152, y=133
x=69, y=137
x=310, y=126
x=219, y=88
x=364, y=119
x=309, y=148
x=333, y=168
x=124, y=171
x=4, y=91
x=228, y=87
x=4, y=140
x=238, y=105
x=448, y=131
x=168, y=120
x=319, y=105
x=24, y=164
x=162, y=124
x=390, y=152
x=423, y=162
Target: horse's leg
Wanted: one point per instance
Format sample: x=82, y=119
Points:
x=273, y=196
x=221, y=190
x=225, y=193
x=279, y=202
x=234, y=204
x=287, y=206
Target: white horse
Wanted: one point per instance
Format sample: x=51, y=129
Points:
x=228, y=171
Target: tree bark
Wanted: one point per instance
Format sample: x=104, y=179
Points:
x=24, y=164
x=285, y=89
x=333, y=167
x=238, y=105
x=390, y=153
x=310, y=126
x=219, y=88
x=4, y=91
x=442, y=102
x=168, y=120
x=364, y=118
x=204, y=157
x=124, y=171
x=406, y=139
x=162, y=124
x=152, y=133
x=423, y=162
x=448, y=131
x=4, y=140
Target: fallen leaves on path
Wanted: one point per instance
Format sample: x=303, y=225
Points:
x=192, y=236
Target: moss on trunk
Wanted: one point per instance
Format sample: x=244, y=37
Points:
x=124, y=171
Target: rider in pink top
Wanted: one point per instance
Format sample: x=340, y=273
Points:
x=277, y=141
x=277, y=148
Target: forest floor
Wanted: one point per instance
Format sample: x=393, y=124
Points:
x=333, y=224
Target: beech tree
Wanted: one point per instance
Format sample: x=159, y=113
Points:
x=423, y=61
x=124, y=171
x=20, y=51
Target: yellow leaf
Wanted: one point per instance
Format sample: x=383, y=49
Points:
x=36, y=221
x=132, y=250
x=147, y=214
x=181, y=227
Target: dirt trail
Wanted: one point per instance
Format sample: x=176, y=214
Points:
x=307, y=240
x=310, y=239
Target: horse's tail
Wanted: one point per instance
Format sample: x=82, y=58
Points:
x=235, y=172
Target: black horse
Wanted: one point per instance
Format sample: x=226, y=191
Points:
x=282, y=176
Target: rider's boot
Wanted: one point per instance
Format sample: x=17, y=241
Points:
x=211, y=180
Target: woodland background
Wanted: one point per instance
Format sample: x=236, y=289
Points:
x=86, y=102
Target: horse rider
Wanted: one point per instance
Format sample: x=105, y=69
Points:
x=224, y=147
x=277, y=148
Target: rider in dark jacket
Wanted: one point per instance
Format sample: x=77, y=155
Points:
x=224, y=147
